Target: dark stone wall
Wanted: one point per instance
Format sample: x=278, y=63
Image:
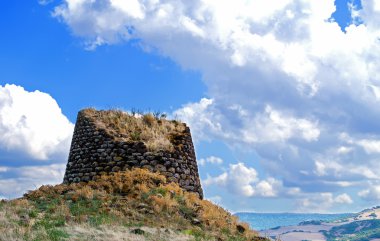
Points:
x=94, y=152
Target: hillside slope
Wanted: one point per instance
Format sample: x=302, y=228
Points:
x=130, y=205
x=363, y=226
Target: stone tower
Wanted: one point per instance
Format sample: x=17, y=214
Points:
x=112, y=141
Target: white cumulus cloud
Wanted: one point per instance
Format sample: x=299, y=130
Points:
x=321, y=202
x=210, y=159
x=19, y=180
x=370, y=146
x=32, y=123
x=343, y=199
x=267, y=126
x=243, y=180
x=372, y=193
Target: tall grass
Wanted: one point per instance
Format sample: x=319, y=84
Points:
x=117, y=201
x=151, y=128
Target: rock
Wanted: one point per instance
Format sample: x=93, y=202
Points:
x=150, y=168
x=24, y=219
x=132, y=162
x=86, y=179
x=117, y=158
x=142, y=205
x=172, y=179
x=138, y=231
x=195, y=221
x=240, y=228
x=144, y=162
x=167, y=174
x=167, y=163
x=160, y=168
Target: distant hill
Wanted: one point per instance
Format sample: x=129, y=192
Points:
x=363, y=226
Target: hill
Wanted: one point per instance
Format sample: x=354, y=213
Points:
x=130, y=205
x=363, y=226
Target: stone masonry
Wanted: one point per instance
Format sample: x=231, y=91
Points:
x=94, y=152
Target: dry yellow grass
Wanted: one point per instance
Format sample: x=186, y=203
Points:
x=153, y=131
x=129, y=198
x=105, y=233
x=117, y=201
x=15, y=224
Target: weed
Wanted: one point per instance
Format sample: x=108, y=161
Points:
x=186, y=211
x=102, y=218
x=135, y=136
x=33, y=213
x=151, y=128
x=158, y=190
x=149, y=119
x=57, y=234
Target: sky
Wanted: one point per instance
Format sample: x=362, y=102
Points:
x=281, y=96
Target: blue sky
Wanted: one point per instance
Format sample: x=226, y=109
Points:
x=281, y=98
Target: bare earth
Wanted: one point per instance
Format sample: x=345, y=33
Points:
x=301, y=236
x=299, y=233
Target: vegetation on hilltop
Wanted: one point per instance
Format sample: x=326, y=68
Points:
x=355, y=231
x=120, y=203
x=151, y=128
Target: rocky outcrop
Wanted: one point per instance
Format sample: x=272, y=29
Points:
x=94, y=151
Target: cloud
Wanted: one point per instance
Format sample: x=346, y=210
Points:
x=215, y=199
x=210, y=159
x=239, y=179
x=45, y=2
x=370, y=146
x=15, y=181
x=243, y=180
x=33, y=129
x=197, y=115
x=343, y=199
x=321, y=202
x=371, y=194
x=33, y=124
x=268, y=126
x=283, y=80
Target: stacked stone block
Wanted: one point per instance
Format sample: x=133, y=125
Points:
x=94, y=152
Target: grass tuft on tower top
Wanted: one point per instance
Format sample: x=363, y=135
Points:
x=153, y=129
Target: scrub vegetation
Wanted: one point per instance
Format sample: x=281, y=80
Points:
x=131, y=205
x=355, y=231
x=151, y=128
